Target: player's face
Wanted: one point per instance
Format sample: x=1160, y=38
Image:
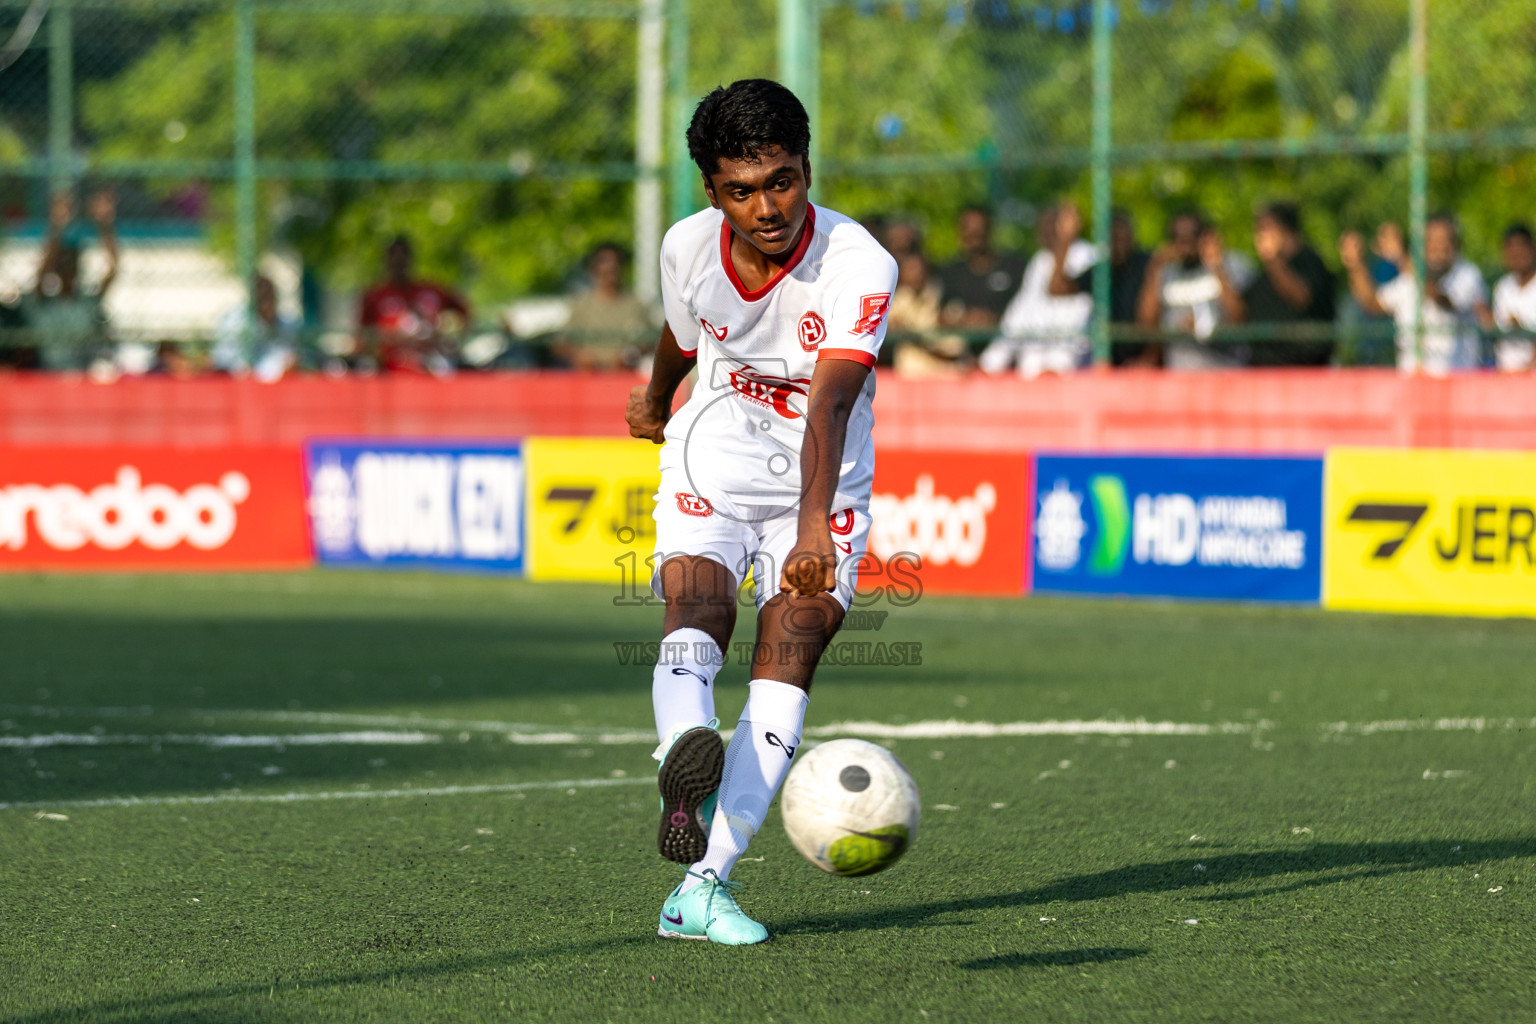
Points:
x=765, y=199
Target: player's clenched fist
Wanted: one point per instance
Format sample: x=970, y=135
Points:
x=810, y=569
x=646, y=416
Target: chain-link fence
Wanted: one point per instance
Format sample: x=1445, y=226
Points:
x=508, y=140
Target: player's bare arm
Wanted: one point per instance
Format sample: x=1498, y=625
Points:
x=811, y=567
x=650, y=404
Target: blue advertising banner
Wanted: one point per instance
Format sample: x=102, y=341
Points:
x=1248, y=528
x=454, y=505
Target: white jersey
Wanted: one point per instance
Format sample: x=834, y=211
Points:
x=740, y=433
x=1448, y=337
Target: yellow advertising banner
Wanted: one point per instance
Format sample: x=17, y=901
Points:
x=589, y=509
x=1430, y=531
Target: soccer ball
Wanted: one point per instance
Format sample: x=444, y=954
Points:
x=850, y=807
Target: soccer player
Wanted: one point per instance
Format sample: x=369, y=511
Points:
x=767, y=466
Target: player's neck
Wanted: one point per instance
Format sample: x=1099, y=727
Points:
x=756, y=268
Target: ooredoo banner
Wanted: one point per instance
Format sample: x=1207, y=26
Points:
x=152, y=508
x=445, y=505
x=956, y=518
x=1248, y=528
x=1431, y=531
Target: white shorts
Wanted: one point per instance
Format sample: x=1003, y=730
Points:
x=742, y=537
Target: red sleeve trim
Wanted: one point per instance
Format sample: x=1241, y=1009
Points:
x=688, y=351
x=858, y=355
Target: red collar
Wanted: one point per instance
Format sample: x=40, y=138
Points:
x=794, y=257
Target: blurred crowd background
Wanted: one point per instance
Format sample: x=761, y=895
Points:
x=276, y=187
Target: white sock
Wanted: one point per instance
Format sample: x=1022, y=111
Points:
x=683, y=685
x=756, y=763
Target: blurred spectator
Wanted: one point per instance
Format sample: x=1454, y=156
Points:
x=175, y=360
x=1389, y=237
x=978, y=285
x=1444, y=319
x=1194, y=285
x=1294, y=286
x=16, y=350
x=410, y=324
x=914, y=319
x=68, y=325
x=1127, y=271
x=1514, y=303
x=902, y=238
x=260, y=341
x=608, y=324
x=1045, y=332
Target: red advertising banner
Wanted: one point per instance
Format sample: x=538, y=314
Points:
x=964, y=514
x=152, y=508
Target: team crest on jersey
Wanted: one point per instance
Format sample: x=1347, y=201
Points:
x=872, y=309
x=718, y=332
x=813, y=331
x=769, y=391
x=693, y=505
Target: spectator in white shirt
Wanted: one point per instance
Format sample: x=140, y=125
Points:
x=1047, y=333
x=1194, y=285
x=264, y=345
x=1436, y=334
x=1514, y=303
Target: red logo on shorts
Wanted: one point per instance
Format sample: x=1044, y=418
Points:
x=813, y=331
x=770, y=392
x=693, y=505
x=872, y=309
x=718, y=332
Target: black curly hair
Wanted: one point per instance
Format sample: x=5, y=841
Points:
x=745, y=118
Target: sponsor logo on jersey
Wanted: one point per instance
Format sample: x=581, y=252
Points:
x=769, y=391
x=693, y=505
x=872, y=309
x=813, y=330
x=718, y=332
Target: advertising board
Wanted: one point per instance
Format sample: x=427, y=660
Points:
x=445, y=505
x=1431, y=531
x=1244, y=528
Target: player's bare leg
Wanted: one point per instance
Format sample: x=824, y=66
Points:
x=700, y=615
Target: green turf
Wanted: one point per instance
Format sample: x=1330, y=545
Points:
x=1334, y=876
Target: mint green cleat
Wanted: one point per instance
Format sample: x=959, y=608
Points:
x=689, y=776
x=708, y=911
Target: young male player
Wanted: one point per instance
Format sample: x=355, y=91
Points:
x=767, y=466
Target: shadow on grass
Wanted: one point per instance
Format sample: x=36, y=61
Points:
x=1318, y=863
x=1344, y=860
x=1057, y=958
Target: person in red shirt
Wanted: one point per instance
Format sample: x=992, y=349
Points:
x=408, y=324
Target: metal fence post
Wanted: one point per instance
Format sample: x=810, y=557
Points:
x=800, y=61
x=61, y=95
x=1418, y=162
x=245, y=145
x=684, y=184
x=1103, y=196
x=650, y=92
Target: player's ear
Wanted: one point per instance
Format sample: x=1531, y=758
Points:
x=709, y=190
x=805, y=165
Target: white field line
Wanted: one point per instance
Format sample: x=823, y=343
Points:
x=299, y=798
x=309, y=739
x=954, y=729
x=1431, y=725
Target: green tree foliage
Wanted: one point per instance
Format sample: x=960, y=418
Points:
x=925, y=106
